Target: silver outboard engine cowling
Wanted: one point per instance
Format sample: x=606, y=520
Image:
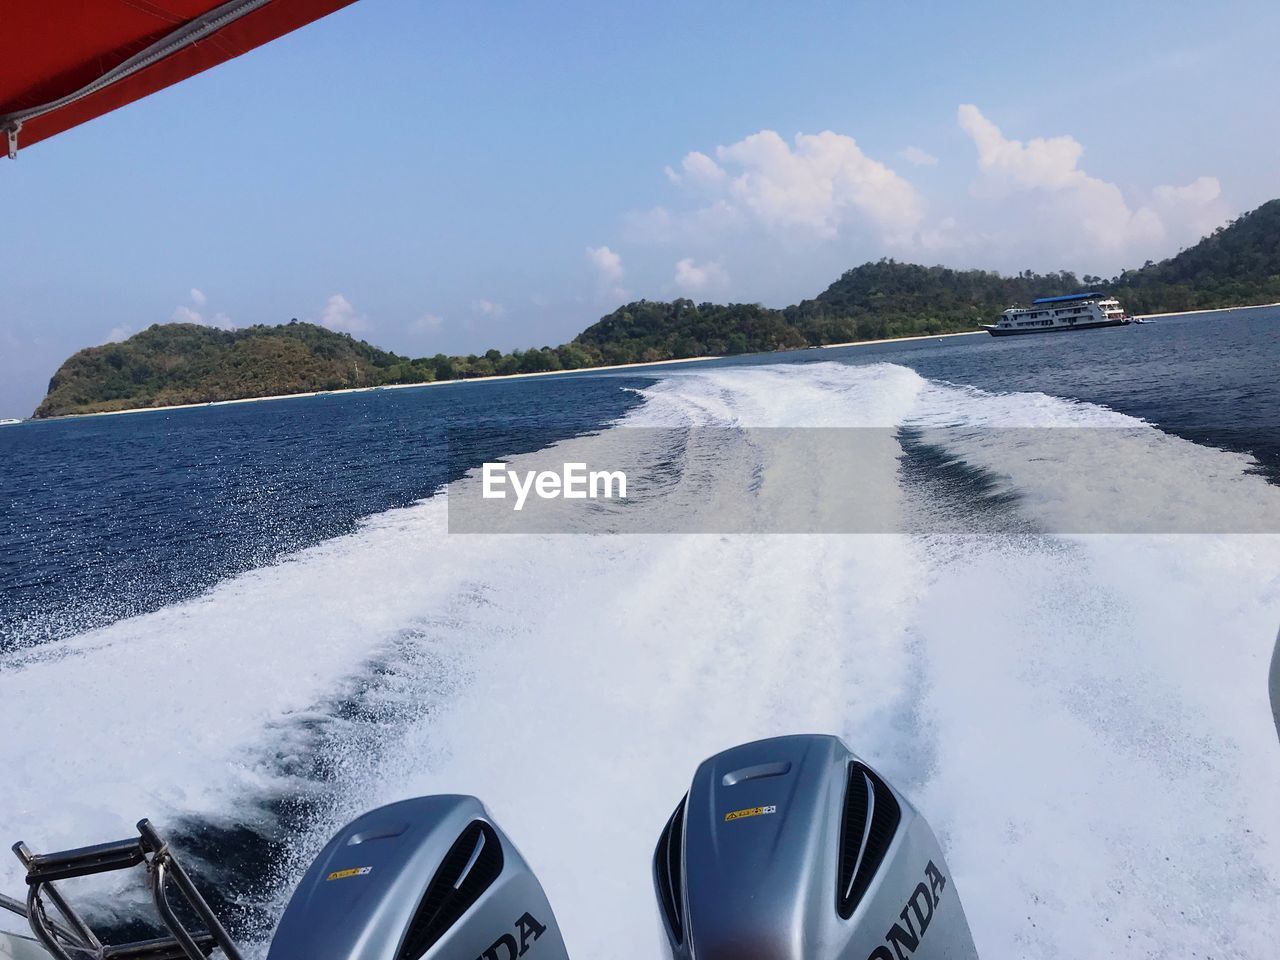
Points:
x=794, y=849
x=422, y=879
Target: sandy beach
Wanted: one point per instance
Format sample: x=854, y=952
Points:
x=923, y=336
x=1187, y=313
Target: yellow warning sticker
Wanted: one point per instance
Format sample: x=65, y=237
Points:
x=353, y=872
x=750, y=812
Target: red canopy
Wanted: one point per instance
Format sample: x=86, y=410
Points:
x=63, y=62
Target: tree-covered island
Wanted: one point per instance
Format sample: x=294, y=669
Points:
x=176, y=363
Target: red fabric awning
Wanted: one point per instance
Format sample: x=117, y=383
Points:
x=52, y=50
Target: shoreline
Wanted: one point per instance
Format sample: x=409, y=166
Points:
x=583, y=370
x=920, y=336
x=383, y=386
x=1187, y=313
x=494, y=378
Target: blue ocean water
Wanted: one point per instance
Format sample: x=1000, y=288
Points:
x=1116, y=694
x=1212, y=378
x=107, y=517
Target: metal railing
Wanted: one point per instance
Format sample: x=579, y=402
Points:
x=73, y=939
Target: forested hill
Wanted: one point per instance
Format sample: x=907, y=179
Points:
x=176, y=363
x=1236, y=264
x=655, y=330
x=870, y=302
x=891, y=299
x=182, y=363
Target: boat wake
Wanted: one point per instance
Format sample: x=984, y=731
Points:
x=1083, y=719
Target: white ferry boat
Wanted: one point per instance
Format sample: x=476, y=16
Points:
x=1077, y=311
x=5, y=421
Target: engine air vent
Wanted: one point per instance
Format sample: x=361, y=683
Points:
x=667, y=877
x=871, y=816
x=470, y=867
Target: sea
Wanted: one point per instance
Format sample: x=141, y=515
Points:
x=251, y=622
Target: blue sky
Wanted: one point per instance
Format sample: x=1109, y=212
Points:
x=454, y=176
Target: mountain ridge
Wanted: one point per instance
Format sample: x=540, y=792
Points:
x=169, y=364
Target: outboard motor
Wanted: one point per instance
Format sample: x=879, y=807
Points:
x=783, y=849
x=794, y=849
x=421, y=879
x=1275, y=685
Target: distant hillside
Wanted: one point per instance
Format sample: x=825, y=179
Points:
x=891, y=299
x=1238, y=264
x=870, y=302
x=653, y=330
x=181, y=363
x=1235, y=265
x=176, y=363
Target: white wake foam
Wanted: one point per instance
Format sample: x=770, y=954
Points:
x=1083, y=720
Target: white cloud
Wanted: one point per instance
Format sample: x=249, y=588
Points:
x=1090, y=214
x=918, y=157
x=119, y=333
x=785, y=215
x=1191, y=211
x=655, y=225
x=822, y=183
x=941, y=235
x=609, y=272
x=487, y=308
x=1202, y=190
x=817, y=184
x=696, y=169
x=1049, y=164
x=427, y=324
x=607, y=263
x=712, y=222
x=185, y=314
x=339, y=314
x=692, y=278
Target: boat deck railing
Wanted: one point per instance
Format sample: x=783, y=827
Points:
x=71, y=938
